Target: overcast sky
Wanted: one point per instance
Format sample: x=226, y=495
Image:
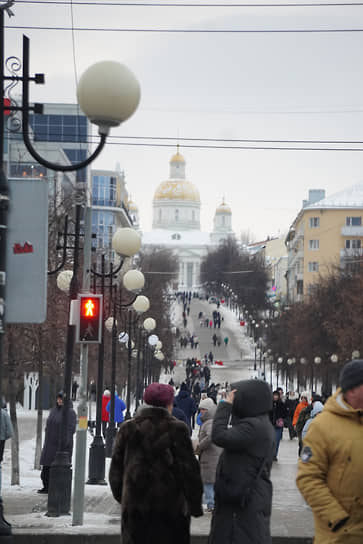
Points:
x=262, y=86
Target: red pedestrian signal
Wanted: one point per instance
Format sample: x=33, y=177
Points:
x=89, y=324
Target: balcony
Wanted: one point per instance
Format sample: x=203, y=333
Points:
x=352, y=231
x=350, y=253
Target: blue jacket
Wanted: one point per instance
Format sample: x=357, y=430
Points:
x=185, y=402
x=120, y=406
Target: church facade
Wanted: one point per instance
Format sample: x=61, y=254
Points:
x=176, y=224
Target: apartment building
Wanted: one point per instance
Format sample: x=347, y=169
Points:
x=327, y=232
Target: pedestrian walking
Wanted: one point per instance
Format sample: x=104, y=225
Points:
x=243, y=490
x=207, y=451
x=6, y=432
x=277, y=417
x=214, y=339
x=154, y=473
x=185, y=402
x=120, y=407
x=105, y=416
x=75, y=387
x=225, y=341
x=317, y=409
x=330, y=471
x=290, y=403
x=52, y=439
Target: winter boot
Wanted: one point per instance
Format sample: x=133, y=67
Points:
x=5, y=527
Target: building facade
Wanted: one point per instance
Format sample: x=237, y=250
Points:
x=326, y=233
x=176, y=224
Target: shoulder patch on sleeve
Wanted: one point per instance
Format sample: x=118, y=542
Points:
x=306, y=454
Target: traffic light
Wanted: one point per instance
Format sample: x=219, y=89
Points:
x=89, y=322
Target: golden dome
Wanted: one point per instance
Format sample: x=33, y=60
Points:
x=224, y=208
x=177, y=158
x=177, y=190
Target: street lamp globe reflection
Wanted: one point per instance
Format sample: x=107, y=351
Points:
x=108, y=93
x=133, y=280
x=64, y=279
x=149, y=324
x=126, y=241
x=141, y=304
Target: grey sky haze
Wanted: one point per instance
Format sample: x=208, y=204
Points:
x=286, y=86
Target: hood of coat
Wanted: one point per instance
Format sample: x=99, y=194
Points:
x=317, y=408
x=337, y=405
x=183, y=394
x=252, y=398
x=209, y=413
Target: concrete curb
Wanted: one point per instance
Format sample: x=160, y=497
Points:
x=54, y=538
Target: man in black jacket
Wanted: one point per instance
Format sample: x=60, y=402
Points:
x=243, y=490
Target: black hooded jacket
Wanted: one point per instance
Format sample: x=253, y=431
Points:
x=243, y=496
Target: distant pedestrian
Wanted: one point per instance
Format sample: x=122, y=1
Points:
x=226, y=341
x=154, y=474
x=214, y=338
x=92, y=391
x=211, y=357
x=75, y=387
x=120, y=407
x=185, y=402
x=52, y=439
x=105, y=417
x=277, y=416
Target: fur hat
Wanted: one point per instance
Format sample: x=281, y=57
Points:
x=159, y=394
x=304, y=395
x=351, y=375
x=206, y=404
x=107, y=393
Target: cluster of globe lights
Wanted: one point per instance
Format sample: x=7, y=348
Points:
x=126, y=242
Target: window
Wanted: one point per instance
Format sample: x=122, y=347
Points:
x=160, y=214
x=313, y=266
x=314, y=222
x=300, y=287
x=176, y=215
x=193, y=215
x=353, y=222
x=353, y=244
x=175, y=236
x=314, y=244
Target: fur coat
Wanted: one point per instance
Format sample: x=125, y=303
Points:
x=155, y=476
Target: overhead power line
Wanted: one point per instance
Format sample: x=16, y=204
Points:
x=193, y=31
x=186, y=5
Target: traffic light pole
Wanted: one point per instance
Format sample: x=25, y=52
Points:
x=81, y=436
x=60, y=482
x=97, y=457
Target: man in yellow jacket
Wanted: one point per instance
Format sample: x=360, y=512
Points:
x=330, y=474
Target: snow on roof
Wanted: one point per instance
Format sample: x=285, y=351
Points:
x=176, y=238
x=348, y=198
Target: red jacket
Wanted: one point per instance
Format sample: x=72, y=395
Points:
x=105, y=414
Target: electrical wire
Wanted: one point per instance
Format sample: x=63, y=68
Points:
x=187, y=5
x=193, y=31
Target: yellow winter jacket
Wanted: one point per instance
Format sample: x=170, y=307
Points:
x=330, y=473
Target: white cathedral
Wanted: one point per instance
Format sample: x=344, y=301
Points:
x=176, y=224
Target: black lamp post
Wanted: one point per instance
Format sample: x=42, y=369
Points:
x=105, y=113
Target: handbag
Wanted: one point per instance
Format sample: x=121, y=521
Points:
x=279, y=422
x=228, y=488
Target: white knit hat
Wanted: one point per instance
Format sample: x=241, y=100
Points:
x=206, y=404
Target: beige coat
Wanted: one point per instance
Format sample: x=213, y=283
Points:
x=330, y=474
x=208, y=452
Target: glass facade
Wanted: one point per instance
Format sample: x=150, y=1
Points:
x=59, y=128
x=68, y=129
x=103, y=225
x=104, y=191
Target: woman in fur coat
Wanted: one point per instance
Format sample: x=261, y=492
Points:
x=154, y=473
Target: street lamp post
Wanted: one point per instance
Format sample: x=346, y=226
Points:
x=126, y=242
x=316, y=361
x=280, y=360
x=97, y=92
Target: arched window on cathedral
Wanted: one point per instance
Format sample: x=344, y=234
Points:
x=176, y=215
x=175, y=236
x=223, y=220
x=193, y=215
x=159, y=216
